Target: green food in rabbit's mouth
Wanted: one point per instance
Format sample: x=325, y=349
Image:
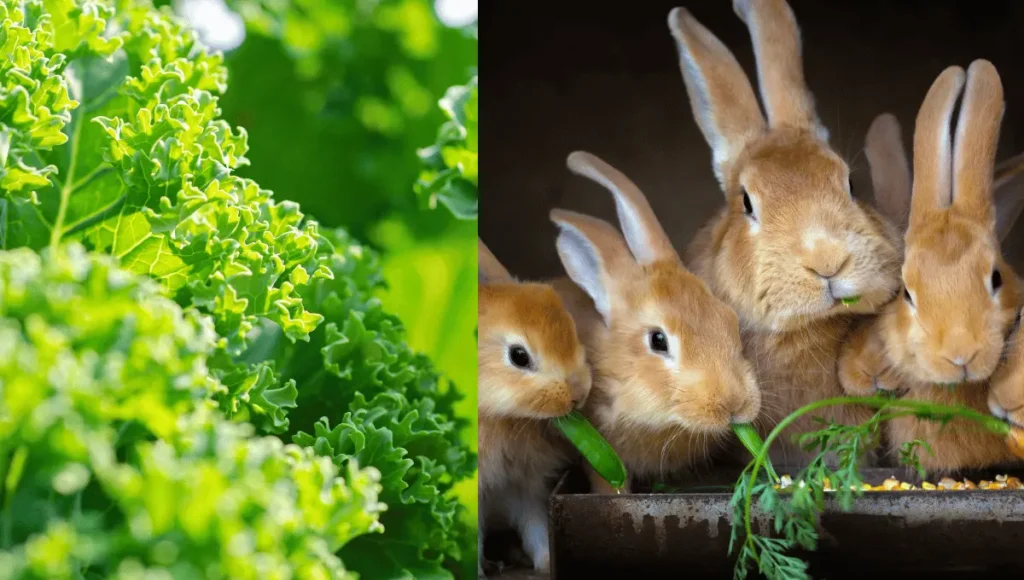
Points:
x=850, y=301
x=594, y=447
x=752, y=441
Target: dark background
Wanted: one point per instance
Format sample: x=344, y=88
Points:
x=604, y=77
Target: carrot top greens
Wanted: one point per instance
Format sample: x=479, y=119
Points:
x=795, y=519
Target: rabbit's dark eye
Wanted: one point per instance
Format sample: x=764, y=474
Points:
x=906, y=296
x=519, y=357
x=997, y=280
x=849, y=186
x=748, y=208
x=658, y=341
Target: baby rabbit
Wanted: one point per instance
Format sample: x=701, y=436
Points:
x=960, y=299
x=791, y=243
x=532, y=368
x=667, y=361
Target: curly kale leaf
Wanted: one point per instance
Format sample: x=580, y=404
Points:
x=116, y=463
x=113, y=139
x=365, y=396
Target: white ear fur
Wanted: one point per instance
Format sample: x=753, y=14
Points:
x=721, y=97
x=933, y=152
x=644, y=235
x=778, y=51
x=584, y=266
x=1008, y=192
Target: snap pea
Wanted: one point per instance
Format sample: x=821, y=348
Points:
x=850, y=301
x=750, y=439
x=594, y=448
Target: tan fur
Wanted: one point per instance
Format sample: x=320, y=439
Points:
x=520, y=453
x=661, y=413
x=808, y=244
x=952, y=329
x=1006, y=395
x=960, y=444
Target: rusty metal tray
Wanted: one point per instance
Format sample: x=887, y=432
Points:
x=912, y=534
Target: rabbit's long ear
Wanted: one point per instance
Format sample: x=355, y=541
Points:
x=721, y=97
x=933, y=187
x=890, y=169
x=1008, y=192
x=644, y=234
x=977, y=136
x=777, y=47
x=593, y=254
x=490, y=269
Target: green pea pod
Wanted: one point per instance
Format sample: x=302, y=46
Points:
x=850, y=301
x=594, y=448
x=750, y=439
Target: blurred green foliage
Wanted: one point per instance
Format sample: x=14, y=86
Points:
x=450, y=175
x=338, y=96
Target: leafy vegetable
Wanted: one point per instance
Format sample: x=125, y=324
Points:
x=450, y=175
x=115, y=461
x=143, y=172
x=384, y=406
x=797, y=516
x=594, y=448
x=111, y=139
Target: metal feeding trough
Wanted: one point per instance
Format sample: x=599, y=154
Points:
x=912, y=534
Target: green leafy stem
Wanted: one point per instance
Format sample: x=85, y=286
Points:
x=767, y=552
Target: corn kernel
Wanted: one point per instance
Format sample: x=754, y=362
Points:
x=905, y=486
x=946, y=483
x=1014, y=483
x=890, y=484
x=928, y=486
x=1001, y=478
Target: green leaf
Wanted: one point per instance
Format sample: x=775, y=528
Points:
x=126, y=153
x=115, y=457
x=451, y=164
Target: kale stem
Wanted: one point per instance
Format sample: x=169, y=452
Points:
x=919, y=408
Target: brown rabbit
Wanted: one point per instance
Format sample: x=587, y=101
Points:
x=532, y=368
x=791, y=242
x=1006, y=393
x=667, y=361
x=960, y=299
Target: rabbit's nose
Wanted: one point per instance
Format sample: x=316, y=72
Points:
x=962, y=360
x=825, y=258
